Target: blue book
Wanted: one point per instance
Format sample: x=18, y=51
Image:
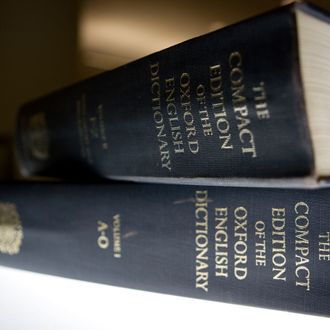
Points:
x=254, y=246
x=250, y=101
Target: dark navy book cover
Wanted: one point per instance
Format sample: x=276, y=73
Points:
x=252, y=246
x=226, y=104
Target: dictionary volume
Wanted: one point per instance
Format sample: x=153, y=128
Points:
x=255, y=246
x=247, y=101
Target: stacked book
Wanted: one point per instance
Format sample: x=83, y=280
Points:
x=230, y=133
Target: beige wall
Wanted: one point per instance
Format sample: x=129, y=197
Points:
x=37, y=53
x=43, y=43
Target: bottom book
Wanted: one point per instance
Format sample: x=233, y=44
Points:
x=253, y=246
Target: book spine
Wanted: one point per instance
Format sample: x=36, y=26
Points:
x=259, y=247
x=227, y=104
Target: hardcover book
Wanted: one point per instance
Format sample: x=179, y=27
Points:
x=249, y=101
x=254, y=246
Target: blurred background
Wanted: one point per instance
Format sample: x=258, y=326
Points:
x=46, y=45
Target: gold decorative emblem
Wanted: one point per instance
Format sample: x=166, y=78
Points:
x=11, y=231
x=38, y=136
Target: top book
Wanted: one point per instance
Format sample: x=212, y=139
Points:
x=250, y=101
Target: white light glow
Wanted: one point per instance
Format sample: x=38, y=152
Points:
x=41, y=302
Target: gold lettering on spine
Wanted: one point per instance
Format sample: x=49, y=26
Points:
x=173, y=117
x=102, y=240
x=278, y=244
x=188, y=118
x=324, y=246
x=203, y=110
x=240, y=245
x=221, y=242
x=260, y=100
x=201, y=240
x=240, y=108
x=260, y=244
x=159, y=118
x=302, y=245
x=117, y=236
x=218, y=107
